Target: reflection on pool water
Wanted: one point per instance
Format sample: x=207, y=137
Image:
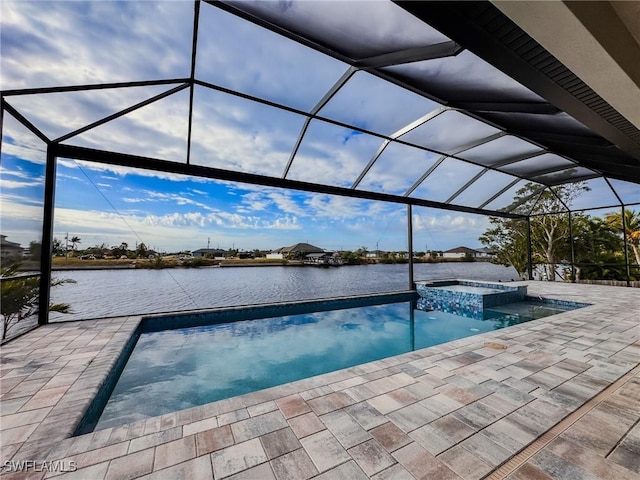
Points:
x=175, y=369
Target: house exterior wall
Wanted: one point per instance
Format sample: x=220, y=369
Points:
x=453, y=255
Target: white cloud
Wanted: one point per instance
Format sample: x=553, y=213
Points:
x=122, y=172
x=21, y=219
x=4, y=183
x=332, y=155
x=18, y=142
x=168, y=232
x=15, y=173
x=449, y=223
x=60, y=43
x=221, y=220
x=236, y=134
x=397, y=169
x=288, y=202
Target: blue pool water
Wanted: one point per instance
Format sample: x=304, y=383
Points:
x=175, y=369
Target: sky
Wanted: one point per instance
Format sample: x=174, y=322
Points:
x=106, y=204
x=75, y=43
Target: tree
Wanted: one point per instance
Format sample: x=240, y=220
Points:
x=550, y=230
x=361, y=252
x=142, y=251
x=632, y=224
x=97, y=250
x=549, y=227
x=58, y=247
x=351, y=258
x=21, y=296
x=121, y=250
x=508, y=239
x=35, y=250
x=597, y=249
x=75, y=240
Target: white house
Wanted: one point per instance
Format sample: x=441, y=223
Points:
x=461, y=252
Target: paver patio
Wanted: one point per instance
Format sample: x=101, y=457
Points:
x=457, y=410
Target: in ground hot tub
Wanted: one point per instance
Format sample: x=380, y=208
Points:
x=466, y=297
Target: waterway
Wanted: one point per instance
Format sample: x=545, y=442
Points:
x=105, y=293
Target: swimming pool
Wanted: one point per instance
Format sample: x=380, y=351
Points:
x=170, y=370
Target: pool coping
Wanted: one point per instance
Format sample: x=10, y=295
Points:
x=50, y=375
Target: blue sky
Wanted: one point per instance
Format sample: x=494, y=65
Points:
x=60, y=43
x=106, y=204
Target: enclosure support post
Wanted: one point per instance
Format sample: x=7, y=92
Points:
x=46, y=249
x=529, y=252
x=410, y=244
x=412, y=325
x=573, y=253
x=626, y=247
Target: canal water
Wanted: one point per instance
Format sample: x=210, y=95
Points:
x=103, y=293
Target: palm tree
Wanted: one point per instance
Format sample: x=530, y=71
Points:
x=21, y=297
x=632, y=225
x=74, y=241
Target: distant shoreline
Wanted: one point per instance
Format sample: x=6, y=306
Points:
x=139, y=267
x=67, y=265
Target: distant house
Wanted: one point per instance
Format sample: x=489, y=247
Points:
x=461, y=252
x=209, y=252
x=375, y=254
x=275, y=255
x=485, y=252
x=299, y=250
x=9, y=249
x=324, y=259
x=316, y=258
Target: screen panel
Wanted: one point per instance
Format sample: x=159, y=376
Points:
x=490, y=183
x=500, y=149
x=540, y=163
x=60, y=113
x=446, y=180
x=233, y=133
x=22, y=174
x=397, y=169
x=346, y=27
x=449, y=131
x=370, y=103
x=73, y=43
x=158, y=130
x=245, y=57
x=332, y=155
x=466, y=77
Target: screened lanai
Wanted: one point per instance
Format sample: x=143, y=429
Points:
x=448, y=105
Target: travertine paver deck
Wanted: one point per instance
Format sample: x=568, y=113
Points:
x=457, y=410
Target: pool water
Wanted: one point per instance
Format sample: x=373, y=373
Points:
x=175, y=369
